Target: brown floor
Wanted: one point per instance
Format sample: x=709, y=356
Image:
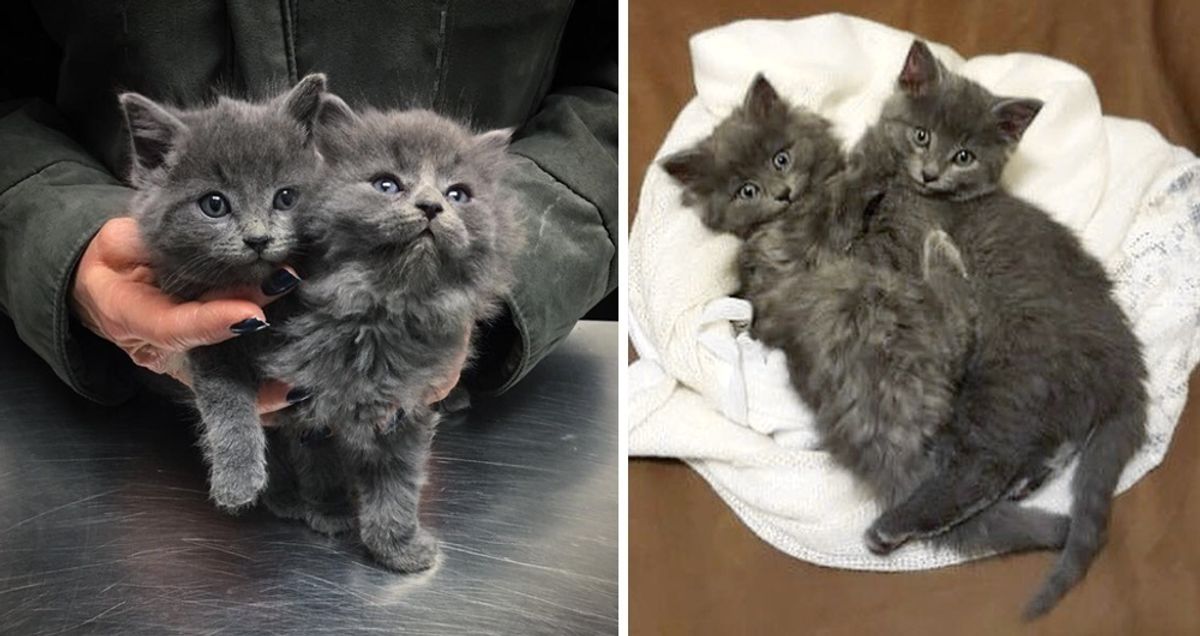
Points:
x=695, y=569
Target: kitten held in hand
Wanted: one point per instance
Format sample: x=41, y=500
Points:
x=219, y=192
x=1056, y=368
x=417, y=239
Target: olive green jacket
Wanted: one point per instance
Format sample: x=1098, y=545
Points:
x=546, y=67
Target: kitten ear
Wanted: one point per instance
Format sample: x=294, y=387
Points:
x=761, y=98
x=494, y=140
x=921, y=70
x=1014, y=115
x=304, y=100
x=153, y=131
x=333, y=112
x=687, y=167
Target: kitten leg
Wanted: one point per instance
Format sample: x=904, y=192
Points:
x=1006, y=527
x=282, y=496
x=324, y=489
x=940, y=254
x=389, y=490
x=233, y=439
x=942, y=501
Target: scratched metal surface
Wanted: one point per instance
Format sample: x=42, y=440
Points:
x=104, y=525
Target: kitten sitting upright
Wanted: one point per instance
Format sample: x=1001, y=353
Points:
x=1056, y=367
x=219, y=191
x=418, y=237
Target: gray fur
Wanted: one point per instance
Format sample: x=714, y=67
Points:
x=383, y=314
x=1056, y=365
x=246, y=152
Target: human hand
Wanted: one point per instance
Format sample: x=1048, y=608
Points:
x=439, y=392
x=115, y=296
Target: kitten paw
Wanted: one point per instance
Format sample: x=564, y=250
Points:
x=284, y=505
x=881, y=543
x=413, y=554
x=329, y=524
x=941, y=254
x=234, y=490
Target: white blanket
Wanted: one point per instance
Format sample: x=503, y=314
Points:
x=722, y=402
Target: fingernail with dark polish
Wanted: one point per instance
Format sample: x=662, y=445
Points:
x=279, y=282
x=298, y=395
x=249, y=325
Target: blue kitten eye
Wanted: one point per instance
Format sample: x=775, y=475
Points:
x=459, y=194
x=920, y=136
x=749, y=190
x=781, y=160
x=964, y=157
x=285, y=199
x=214, y=204
x=387, y=184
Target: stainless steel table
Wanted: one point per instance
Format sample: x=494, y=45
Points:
x=105, y=527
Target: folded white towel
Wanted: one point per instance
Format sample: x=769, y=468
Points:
x=722, y=402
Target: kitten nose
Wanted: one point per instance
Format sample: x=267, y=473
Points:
x=784, y=195
x=928, y=176
x=430, y=209
x=257, y=243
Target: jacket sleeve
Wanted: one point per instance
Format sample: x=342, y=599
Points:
x=53, y=199
x=567, y=184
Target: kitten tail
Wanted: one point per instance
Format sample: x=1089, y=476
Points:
x=1100, y=466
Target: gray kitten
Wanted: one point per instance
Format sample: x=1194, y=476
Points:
x=219, y=190
x=417, y=237
x=876, y=329
x=1056, y=367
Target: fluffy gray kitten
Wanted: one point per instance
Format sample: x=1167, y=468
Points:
x=876, y=329
x=219, y=190
x=1056, y=368
x=417, y=236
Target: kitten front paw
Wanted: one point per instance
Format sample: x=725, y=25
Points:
x=233, y=490
x=415, y=553
x=329, y=524
x=880, y=542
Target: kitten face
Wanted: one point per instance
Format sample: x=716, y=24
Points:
x=951, y=137
x=415, y=192
x=220, y=188
x=757, y=161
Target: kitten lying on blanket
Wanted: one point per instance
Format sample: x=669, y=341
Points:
x=1056, y=366
x=876, y=331
x=220, y=192
x=417, y=238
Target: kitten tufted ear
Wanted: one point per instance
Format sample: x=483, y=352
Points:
x=304, y=100
x=494, y=140
x=153, y=131
x=921, y=70
x=687, y=167
x=1014, y=115
x=333, y=111
x=761, y=98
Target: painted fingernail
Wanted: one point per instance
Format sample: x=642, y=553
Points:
x=298, y=395
x=249, y=325
x=279, y=282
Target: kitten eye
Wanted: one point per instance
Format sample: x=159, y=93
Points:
x=920, y=136
x=964, y=157
x=214, y=204
x=285, y=199
x=459, y=194
x=749, y=190
x=387, y=184
x=782, y=159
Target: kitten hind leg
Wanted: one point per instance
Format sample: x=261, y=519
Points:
x=389, y=489
x=940, y=502
x=1007, y=527
x=324, y=487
